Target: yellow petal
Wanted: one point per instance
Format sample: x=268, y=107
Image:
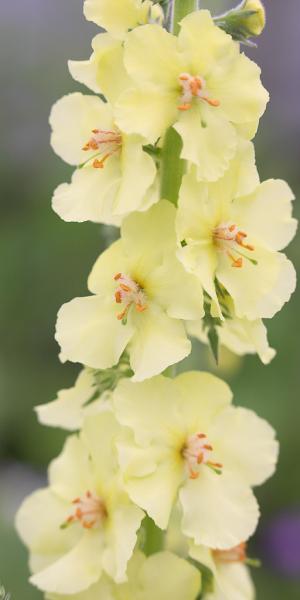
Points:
x=158, y=342
x=161, y=66
x=95, y=73
x=239, y=90
x=267, y=214
x=135, y=103
x=89, y=332
x=205, y=45
x=214, y=525
x=72, y=119
x=114, y=16
x=75, y=571
x=68, y=410
x=209, y=140
x=203, y=396
x=249, y=448
x=91, y=195
x=170, y=577
x=258, y=290
x=138, y=175
x=70, y=473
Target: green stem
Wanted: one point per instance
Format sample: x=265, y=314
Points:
x=172, y=166
x=181, y=8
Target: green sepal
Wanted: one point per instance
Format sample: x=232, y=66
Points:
x=108, y=379
x=207, y=578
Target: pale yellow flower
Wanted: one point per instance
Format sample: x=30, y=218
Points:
x=83, y=524
x=74, y=404
x=142, y=295
x=232, y=231
x=185, y=442
x=199, y=83
x=241, y=336
x=231, y=577
x=96, y=72
x=115, y=176
x=170, y=576
x=118, y=16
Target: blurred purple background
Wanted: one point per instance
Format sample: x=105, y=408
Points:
x=45, y=262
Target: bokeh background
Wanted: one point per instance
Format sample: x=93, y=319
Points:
x=44, y=262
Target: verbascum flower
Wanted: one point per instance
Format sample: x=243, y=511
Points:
x=73, y=405
x=241, y=336
x=199, y=83
x=96, y=72
x=164, y=572
x=83, y=524
x=115, y=175
x=186, y=442
x=142, y=294
x=231, y=233
x=231, y=577
x=90, y=395
x=118, y=17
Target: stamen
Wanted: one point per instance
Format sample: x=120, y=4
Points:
x=197, y=451
x=236, y=554
x=193, y=87
x=106, y=142
x=129, y=293
x=229, y=239
x=90, y=511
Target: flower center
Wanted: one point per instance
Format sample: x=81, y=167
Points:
x=129, y=293
x=229, y=238
x=197, y=451
x=105, y=143
x=89, y=511
x=236, y=554
x=193, y=87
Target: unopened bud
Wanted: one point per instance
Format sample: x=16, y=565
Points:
x=155, y=12
x=256, y=22
x=246, y=20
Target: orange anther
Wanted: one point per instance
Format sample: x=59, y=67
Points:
x=195, y=86
x=212, y=102
x=117, y=276
x=235, y=262
x=184, y=107
x=125, y=288
x=141, y=308
x=121, y=315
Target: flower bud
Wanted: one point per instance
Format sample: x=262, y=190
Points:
x=255, y=23
x=246, y=20
x=156, y=14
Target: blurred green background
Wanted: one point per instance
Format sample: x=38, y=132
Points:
x=44, y=262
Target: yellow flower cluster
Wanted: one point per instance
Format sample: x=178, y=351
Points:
x=155, y=484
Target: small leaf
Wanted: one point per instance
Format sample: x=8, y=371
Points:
x=213, y=339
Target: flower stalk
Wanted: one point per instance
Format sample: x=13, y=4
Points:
x=172, y=166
